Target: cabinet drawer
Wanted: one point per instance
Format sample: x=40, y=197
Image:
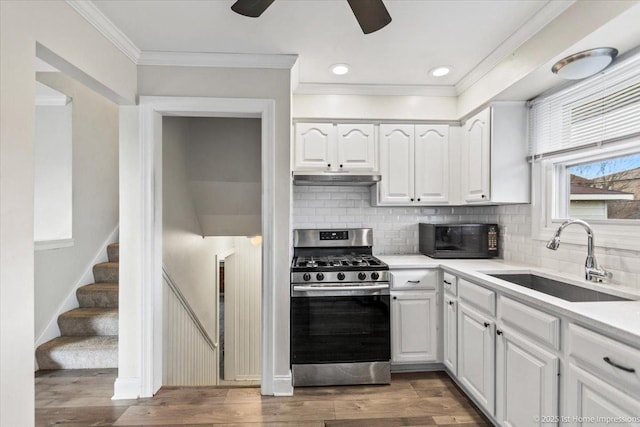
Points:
x=530, y=321
x=450, y=284
x=414, y=279
x=613, y=361
x=477, y=296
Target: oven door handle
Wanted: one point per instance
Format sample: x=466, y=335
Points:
x=307, y=288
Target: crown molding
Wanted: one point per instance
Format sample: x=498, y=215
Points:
x=374, y=89
x=215, y=59
x=535, y=24
x=95, y=17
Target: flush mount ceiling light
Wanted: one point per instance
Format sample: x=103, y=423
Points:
x=440, y=71
x=584, y=64
x=340, y=69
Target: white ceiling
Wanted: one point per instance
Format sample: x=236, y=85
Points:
x=470, y=35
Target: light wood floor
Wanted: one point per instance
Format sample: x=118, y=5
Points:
x=83, y=398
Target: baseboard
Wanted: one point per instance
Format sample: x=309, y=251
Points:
x=417, y=367
x=283, y=385
x=126, y=388
x=70, y=302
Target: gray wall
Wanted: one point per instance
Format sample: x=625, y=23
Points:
x=224, y=168
x=95, y=196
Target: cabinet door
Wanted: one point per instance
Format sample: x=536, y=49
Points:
x=591, y=401
x=476, y=157
x=451, y=334
x=315, y=146
x=432, y=164
x=526, y=382
x=476, y=355
x=414, y=334
x=396, y=164
x=356, y=147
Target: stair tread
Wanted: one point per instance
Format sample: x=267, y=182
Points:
x=101, y=287
x=107, y=264
x=90, y=312
x=75, y=343
x=113, y=245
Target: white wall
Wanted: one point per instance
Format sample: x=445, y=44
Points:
x=53, y=177
x=375, y=107
x=95, y=196
x=224, y=168
x=22, y=24
x=249, y=83
x=190, y=259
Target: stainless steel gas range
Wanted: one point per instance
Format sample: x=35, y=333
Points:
x=340, y=320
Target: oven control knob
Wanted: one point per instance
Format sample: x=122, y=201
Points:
x=306, y=277
x=375, y=276
x=340, y=276
x=362, y=276
x=320, y=276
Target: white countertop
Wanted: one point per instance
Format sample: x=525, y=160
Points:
x=616, y=318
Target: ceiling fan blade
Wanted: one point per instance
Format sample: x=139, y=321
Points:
x=372, y=15
x=251, y=8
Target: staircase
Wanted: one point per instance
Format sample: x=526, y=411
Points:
x=89, y=337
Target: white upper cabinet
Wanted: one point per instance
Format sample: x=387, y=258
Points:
x=432, y=163
x=476, y=153
x=396, y=164
x=356, y=147
x=494, y=155
x=335, y=148
x=414, y=164
x=315, y=146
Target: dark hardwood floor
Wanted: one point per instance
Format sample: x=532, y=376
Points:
x=83, y=398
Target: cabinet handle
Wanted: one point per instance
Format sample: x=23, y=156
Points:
x=418, y=198
x=411, y=200
x=486, y=325
x=483, y=196
x=413, y=281
x=615, y=365
x=451, y=303
x=340, y=165
x=328, y=165
x=447, y=282
x=395, y=297
x=498, y=331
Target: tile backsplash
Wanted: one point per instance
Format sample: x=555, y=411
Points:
x=395, y=229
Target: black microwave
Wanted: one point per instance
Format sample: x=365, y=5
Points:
x=459, y=240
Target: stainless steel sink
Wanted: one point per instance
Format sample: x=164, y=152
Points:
x=557, y=289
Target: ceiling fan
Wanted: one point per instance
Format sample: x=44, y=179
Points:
x=372, y=15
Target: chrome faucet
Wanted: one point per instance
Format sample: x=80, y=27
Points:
x=592, y=271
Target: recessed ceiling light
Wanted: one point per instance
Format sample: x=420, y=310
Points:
x=340, y=69
x=584, y=64
x=440, y=71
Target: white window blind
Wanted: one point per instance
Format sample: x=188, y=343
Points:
x=601, y=109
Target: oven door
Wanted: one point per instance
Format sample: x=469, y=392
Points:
x=340, y=324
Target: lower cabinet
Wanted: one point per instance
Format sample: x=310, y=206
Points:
x=526, y=382
x=476, y=355
x=593, y=402
x=414, y=332
x=450, y=334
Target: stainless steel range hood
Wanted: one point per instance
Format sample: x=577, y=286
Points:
x=334, y=178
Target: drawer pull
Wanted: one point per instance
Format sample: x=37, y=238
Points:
x=447, y=282
x=615, y=365
x=413, y=281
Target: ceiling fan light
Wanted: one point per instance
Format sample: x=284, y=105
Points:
x=584, y=64
x=440, y=71
x=340, y=69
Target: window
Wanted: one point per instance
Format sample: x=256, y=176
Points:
x=605, y=189
x=585, y=152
